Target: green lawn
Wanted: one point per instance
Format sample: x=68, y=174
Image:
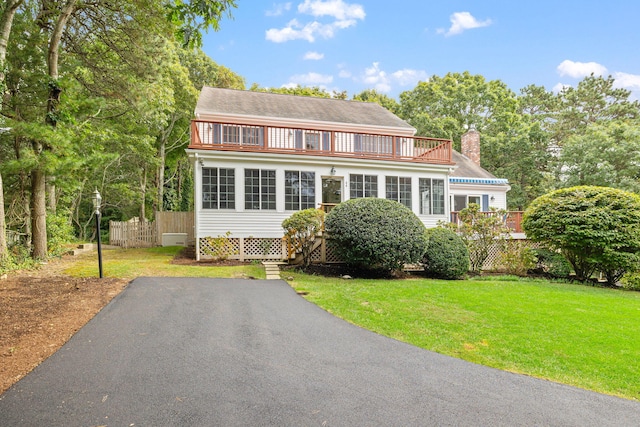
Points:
x=132, y=263
x=574, y=334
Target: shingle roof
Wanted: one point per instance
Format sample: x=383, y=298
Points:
x=282, y=107
x=466, y=171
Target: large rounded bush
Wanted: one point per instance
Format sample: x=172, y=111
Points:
x=446, y=256
x=376, y=234
x=595, y=228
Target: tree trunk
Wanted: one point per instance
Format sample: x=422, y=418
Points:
x=3, y=225
x=161, y=157
x=51, y=195
x=38, y=215
x=6, y=21
x=143, y=190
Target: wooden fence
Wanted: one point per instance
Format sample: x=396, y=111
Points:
x=174, y=222
x=132, y=234
x=144, y=234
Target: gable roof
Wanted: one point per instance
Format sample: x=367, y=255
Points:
x=218, y=101
x=468, y=172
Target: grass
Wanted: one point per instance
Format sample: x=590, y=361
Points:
x=132, y=263
x=574, y=334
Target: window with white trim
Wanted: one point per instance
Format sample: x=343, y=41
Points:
x=431, y=196
x=218, y=188
x=398, y=189
x=363, y=186
x=299, y=190
x=462, y=201
x=259, y=189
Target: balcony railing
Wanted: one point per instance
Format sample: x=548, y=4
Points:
x=512, y=219
x=250, y=137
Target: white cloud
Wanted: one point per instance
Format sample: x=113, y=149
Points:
x=313, y=56
x=345, y=15
x=627, y=81
x=335, y=8
x=580, y=69
x=461, y=21
x=295, y=31
x=313, y=79
x=409, y=77
x=278, y=9
x=560, y=87
x=374, y=76
x=378, y=79
x=344, y=74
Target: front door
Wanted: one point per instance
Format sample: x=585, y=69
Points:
x=331, y=192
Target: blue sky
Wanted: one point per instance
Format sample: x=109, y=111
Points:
x=391, y=45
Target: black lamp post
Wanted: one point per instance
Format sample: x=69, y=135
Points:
x=97, y=202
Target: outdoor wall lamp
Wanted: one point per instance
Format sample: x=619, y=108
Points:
x=97, y=203
x=333, y=170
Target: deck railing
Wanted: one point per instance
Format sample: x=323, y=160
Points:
x=250, y=137
x=512, y=219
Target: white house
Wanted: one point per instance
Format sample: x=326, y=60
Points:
x=258, y=157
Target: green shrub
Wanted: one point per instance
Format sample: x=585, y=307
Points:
x=446, y=255
x=59, y=233
x=480, y=232
x=552, y=263
x=219, y=248
x=517, y=257
x=301, y=229
x=631, y=281
x=595, y=228
x=376, y=234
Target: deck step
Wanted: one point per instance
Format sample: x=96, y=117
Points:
x=272, y=269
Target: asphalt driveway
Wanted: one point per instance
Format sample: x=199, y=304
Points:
x=227, y=352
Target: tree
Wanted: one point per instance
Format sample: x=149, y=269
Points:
x=594, y=100
x=520, y=152
x=445, y=107
x=595, y=228
x=92, y=68
x=298, y=90
x=301, y=229
x=6, y=21
x=604, y=154
x=194, y=16
x=480, y=232
x=372, y=95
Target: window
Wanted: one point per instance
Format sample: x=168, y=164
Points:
x=239, y=135
x=230, y=134
x=252, y=135
x=259, y=189
x=299, y=190
x=399, y=189
x=312, y=140
x=431, y=196
x=461, y=201
x=363, y=186
x=218, y=188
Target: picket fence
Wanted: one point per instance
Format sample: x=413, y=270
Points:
x=144, y=234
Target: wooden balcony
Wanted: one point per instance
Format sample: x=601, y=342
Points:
x=208, y=135
x=513, y=219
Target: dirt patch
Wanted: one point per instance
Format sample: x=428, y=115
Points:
x=186, y=257
x=41, y=309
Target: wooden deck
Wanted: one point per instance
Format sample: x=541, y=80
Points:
x=208, y=135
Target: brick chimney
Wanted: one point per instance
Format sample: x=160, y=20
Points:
x=470, y=145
